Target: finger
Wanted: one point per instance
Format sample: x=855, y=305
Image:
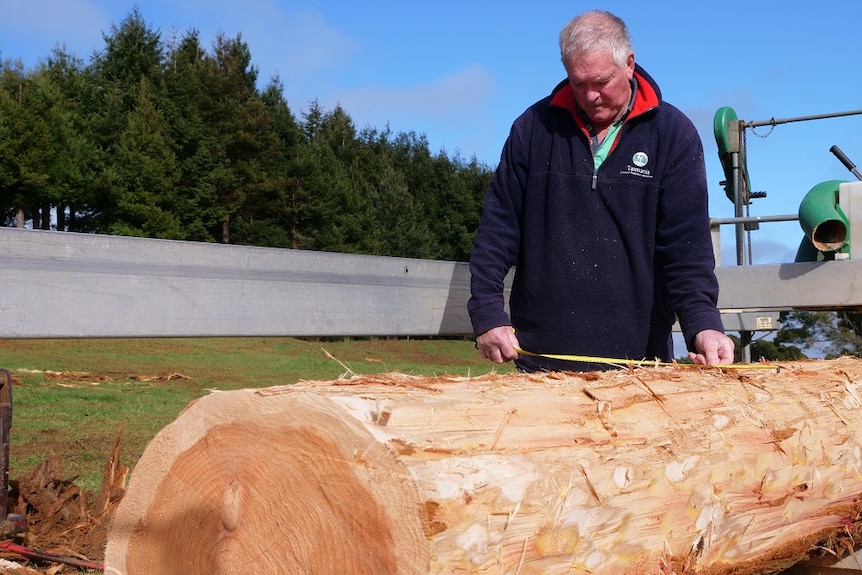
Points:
x=726, y=353
x=510, y=346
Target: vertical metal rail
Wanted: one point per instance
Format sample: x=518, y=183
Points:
x=745, y=336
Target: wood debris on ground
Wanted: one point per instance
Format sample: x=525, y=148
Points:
x=62, y=519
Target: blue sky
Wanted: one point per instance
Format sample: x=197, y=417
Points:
x=460, y=72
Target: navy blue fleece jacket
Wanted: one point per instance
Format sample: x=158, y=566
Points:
x=603, y=259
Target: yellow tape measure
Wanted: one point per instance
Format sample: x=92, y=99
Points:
x=654, y=363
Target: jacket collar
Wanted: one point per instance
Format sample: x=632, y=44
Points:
x=646, y=97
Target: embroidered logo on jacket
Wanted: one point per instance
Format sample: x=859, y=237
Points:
x=640, y=159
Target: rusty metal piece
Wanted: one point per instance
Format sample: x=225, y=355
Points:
x=10, y=523
x=38, y=555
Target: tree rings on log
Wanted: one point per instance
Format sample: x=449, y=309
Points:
x=245, y=482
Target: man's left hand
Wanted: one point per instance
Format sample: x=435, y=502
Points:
x=713, y=348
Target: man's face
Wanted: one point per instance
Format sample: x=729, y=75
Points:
x=601, y=88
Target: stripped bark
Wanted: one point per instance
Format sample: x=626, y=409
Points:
x=649, y=470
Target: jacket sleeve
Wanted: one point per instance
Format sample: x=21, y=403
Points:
x=495, y=249
x=683, y=242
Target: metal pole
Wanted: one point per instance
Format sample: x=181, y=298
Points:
x=775, y=122
x=737, y=210
x=753, y=219
x=744, y=335
x=842, y=157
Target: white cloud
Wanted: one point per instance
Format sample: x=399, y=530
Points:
x=454, y=108
x=764, y=250
x=290, y=43
x=456, y=97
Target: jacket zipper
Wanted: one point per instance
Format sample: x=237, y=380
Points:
x=594, y=145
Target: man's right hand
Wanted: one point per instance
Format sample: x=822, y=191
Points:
x=498, y=344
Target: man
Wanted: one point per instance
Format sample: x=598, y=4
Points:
x=600, y=203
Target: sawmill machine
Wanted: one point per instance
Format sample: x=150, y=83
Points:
x=830, y=213
x=825, y=213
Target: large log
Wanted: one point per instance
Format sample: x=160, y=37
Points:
x=648, y=470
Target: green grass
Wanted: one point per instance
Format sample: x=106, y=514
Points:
x=71, y=397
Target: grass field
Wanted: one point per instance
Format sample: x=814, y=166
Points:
x=72, y=397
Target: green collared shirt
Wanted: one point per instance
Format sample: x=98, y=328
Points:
x=601, y=149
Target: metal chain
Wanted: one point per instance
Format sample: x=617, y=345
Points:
x=766, y=135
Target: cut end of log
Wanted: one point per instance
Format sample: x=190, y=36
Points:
x=296, y=491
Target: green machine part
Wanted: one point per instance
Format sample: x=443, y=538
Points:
x=826, y=227
x=728, y=136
